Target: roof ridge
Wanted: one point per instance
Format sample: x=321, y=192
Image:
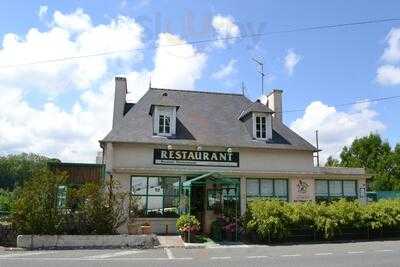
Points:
x=198, y=91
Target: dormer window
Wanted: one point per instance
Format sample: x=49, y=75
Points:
x=164, y=120
x=262, y=126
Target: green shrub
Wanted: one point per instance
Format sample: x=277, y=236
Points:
x=187, y=223
x=276, y=219
x=6, y=201
x=100, y=209
x=90, y=209
x=36, y=210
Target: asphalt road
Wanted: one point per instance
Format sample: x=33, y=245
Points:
x=380, y=253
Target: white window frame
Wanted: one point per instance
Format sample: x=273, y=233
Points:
x=268, y=126
x=166, y=112
x=163, y=120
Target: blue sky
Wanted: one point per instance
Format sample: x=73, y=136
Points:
x=61, y=109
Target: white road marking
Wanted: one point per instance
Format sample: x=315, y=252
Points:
x=230, y=246
x=384, y=250
x=355, y=252
x=257, y=257
x=323, y=254
x=22, y=254
x=220, y=258
x=93, y=259
x=291, y=255
x=114, y=254
x=169, y=253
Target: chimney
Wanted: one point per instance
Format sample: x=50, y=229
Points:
x=119, y=100
x=274, y=102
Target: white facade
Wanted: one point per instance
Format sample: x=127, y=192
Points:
x=265, y=166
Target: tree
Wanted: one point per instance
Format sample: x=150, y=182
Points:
x=375, y=155
x=367, y=152
x=332, y=162
x=14, y=169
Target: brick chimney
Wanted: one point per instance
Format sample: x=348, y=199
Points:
x=119, y=100
x=274, y=102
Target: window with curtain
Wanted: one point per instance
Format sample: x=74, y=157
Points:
x=156, y=196
x=262, y=187
x=335, y=189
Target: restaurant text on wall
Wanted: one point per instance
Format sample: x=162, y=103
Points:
x=196, y=158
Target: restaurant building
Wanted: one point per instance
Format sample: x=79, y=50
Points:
x=211, y=153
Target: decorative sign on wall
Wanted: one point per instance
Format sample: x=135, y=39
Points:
x=196, y=158
x=303, y=189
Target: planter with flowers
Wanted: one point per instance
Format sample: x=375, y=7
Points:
x=188, y=226
x=230, y=231
x=146, y=228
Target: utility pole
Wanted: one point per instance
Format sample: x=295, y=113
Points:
x=243, y=88
x=262, y=74
x=317, y=142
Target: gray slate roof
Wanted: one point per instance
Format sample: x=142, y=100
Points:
x=256, y=106
x=203, y=118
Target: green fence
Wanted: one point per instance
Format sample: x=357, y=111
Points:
x=377, y=195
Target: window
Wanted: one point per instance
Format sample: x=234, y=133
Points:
x=164, y=120
x=335, y=189
x=164, y=124
x=157, y=196
x=261, y=127
x=274, y=188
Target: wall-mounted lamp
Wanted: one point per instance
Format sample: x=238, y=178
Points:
x=169, y=147
x=199, y=148
x=229, y=150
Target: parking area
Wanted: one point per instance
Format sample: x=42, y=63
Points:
x=382, y=253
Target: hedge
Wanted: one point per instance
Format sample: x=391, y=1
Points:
x=274, y=219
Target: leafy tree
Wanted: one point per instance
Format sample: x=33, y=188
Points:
x=367, y=152
x=14, y=169
x=6, y=201
x=375, y=155
x=332, y=162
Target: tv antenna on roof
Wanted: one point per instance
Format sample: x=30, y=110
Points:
x=261, y=72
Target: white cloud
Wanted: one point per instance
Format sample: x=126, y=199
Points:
x=392, y=52
x=388, y=75
x=336, y=128
x=73, y=134
x=291, y=60
x=226, y=70
x=389, y=72
x=42, y=12
x=76, y=22
x=69, y=35
x=225, y=27
x=177, y=64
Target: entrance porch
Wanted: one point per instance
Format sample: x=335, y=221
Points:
x=212, y=197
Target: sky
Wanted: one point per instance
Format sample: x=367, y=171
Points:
x=58, y=61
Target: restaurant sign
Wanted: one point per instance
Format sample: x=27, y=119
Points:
x=196, y=158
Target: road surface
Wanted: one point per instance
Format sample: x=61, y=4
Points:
x=363, y=254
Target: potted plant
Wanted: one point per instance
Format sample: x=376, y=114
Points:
x=188, y=225
x=146, y=228
x=230, y=231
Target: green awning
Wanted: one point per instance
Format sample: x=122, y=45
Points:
x=210, y=178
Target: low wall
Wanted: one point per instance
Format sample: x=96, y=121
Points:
x=159, y=225
x=85, y=241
